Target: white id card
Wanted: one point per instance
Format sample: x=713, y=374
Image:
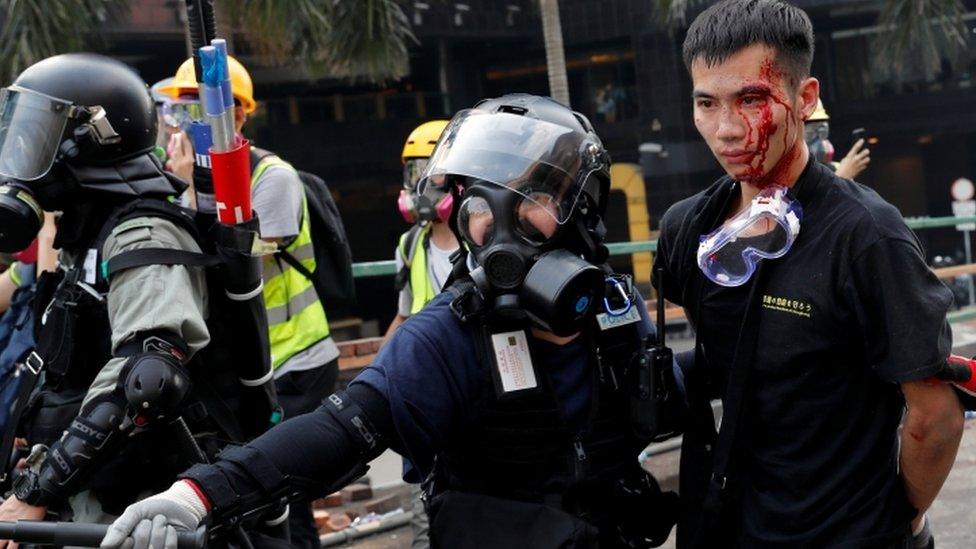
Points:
x=513, y=361
x=91, y=266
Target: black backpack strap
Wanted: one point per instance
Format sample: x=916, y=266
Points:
x=296, y=264
x=150, y=256
x=733, y=405
x=157, y=256
x=257, y=155
x=409, y=249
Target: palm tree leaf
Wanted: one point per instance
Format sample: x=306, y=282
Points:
x=31, y=30
x=929, y=30
x=356, y=39
x=674, y=13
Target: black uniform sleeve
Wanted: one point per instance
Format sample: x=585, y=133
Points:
x=901, y=308
x=314, y=452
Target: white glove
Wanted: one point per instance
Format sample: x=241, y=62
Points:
x=153, y=522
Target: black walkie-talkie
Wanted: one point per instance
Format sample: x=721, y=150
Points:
x=654, y=402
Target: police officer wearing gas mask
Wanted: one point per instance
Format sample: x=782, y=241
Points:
x=510, y=391
x=118, y=332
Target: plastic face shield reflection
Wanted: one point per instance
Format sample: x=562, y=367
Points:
x=765, y=230
x=31, y=127
x=178, y=113
x=525, y=155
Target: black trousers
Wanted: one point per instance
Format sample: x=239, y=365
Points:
x=300, y=393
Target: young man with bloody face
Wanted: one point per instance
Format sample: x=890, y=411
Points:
x=819, y=352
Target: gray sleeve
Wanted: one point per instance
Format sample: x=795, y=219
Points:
x=155, y=297
x=405, y=297
x=277, y=199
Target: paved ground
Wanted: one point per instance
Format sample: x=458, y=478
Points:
x=953, y=515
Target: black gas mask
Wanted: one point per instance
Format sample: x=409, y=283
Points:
x=520, y=266
x=20, y=217
x=533, y=175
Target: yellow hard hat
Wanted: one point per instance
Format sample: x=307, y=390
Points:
x=421, y=141
x=820, y=114
x=185, y=81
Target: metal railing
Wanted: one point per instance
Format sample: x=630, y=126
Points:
x=388, y=267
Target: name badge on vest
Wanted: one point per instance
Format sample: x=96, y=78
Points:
x=91, y=266
x=608, y=321
x=513, y=363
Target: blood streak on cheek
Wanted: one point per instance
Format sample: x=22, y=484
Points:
x=791, y=152
x=765, y=128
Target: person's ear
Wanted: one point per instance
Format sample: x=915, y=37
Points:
x=807, y=94
x=240, y=117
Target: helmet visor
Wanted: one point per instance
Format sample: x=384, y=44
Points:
x=31, y=127
x=525, y=155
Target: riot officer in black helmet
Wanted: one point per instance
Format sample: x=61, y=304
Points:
x=509, y=393
x=117, y=330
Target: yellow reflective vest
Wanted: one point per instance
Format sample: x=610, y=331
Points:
x=415, y=259
x=296, y=318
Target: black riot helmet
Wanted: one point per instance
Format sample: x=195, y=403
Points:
x=535, y=179
x=70, y=124
x=97, y=102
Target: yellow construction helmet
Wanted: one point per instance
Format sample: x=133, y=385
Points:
x=185, y=81
x=819, y=115
x=421, y=141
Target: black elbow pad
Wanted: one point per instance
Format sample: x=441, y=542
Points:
x=72, y=457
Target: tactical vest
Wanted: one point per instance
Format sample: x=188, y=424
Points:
x=413, y=251
x=519, y=446
x=74, y=343
x=296, y=317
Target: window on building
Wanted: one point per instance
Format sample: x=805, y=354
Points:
x=602, y=84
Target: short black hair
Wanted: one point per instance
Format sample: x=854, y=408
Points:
x=732, y=25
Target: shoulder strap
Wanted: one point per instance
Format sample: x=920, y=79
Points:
x=151, y=256
x=407, y=249
x=157, y=256
x=413, y=240
x=257, y=155
x=733, y=404
x=295, y=263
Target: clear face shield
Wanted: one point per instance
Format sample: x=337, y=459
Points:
x=766, y=229
x=31, y=128
x=540, y=161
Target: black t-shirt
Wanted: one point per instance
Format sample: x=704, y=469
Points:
x=721, y=318
x=851, y=311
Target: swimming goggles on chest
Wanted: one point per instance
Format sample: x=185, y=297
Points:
x=766, y=229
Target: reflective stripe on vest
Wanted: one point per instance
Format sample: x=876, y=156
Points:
x=296, y=318
x=421, y=286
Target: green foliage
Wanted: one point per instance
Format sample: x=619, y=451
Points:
x=931, y=29
x=31, y=30
x=920, y=29
x=355, y=39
